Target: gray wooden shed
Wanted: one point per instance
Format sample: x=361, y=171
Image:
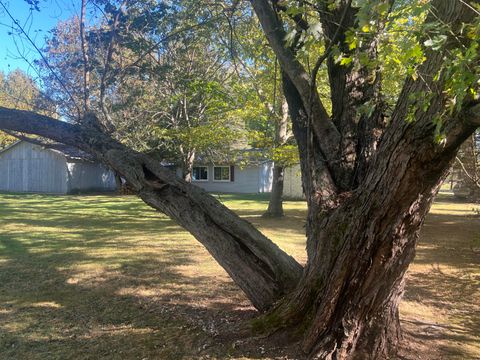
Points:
x=56, y=169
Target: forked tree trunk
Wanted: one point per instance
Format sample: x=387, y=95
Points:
x=359, y=247
x=358, y=255
x=368, y=184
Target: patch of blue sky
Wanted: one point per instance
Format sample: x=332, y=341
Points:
x=16, y=51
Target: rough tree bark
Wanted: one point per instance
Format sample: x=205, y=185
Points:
x=368, y=186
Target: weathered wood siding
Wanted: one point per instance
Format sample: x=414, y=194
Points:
x=83, y=176
x=26, y=167
x=292, y=183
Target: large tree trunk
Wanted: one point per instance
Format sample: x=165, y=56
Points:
x=359, y=253
x=368, y=185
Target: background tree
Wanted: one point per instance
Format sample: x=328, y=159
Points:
x=265, y=110
x=18, y=90
x=184, y=96
x=467, y=168
x=169, y=96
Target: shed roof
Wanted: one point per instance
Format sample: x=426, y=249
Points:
x=71, y=153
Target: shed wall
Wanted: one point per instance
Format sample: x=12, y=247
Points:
x=26, y=167
x=292, y=183
x=83, y=176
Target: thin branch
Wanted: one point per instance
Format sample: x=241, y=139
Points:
x=42, y=56
x=467, y=174
x=322, y=58
x=86, y=66
x=108, y=60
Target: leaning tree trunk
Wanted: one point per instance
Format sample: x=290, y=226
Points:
x=259, y=267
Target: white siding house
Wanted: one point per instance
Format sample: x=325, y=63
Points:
x=27, y=167
x=250, y=179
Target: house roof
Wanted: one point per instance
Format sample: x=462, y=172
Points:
x=71, y=153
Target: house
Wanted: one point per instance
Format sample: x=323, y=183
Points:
x=233, y=178
x=57, y=169
x=246, y=173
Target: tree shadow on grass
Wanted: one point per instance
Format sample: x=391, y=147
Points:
x=75, y=290
x=445, y=280
x=141, y=307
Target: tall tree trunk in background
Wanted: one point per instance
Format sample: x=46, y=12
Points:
x=275, y=205
x=468, y=168
x=188, y=158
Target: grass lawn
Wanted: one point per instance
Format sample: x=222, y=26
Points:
x=93, y=277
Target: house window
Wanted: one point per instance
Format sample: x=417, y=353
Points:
x=200, y=173
x=221, y=173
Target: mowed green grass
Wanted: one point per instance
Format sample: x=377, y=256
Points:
x=106, y=277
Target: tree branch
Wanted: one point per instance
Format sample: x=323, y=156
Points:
x=333, y=41
x=325, y=131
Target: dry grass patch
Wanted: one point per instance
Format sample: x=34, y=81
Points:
x=98, y=277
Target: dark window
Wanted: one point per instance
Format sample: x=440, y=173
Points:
x=221, y=173
x=200, y=173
